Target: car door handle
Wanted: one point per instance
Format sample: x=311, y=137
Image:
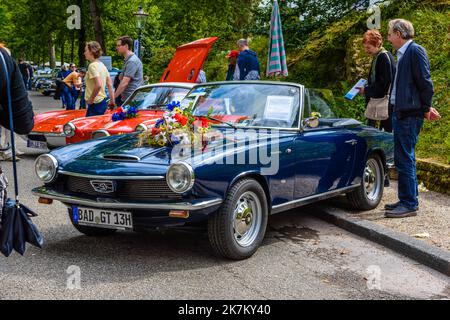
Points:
x=352, y=142
x=288, y=151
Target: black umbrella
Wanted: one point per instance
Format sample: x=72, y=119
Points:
x=16, y=227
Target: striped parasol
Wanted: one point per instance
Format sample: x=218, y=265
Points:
x=276, y=64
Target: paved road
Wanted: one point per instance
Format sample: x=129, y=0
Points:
x=301, y=258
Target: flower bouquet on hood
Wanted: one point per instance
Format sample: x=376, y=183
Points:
x=178, y=126
x=125, y=113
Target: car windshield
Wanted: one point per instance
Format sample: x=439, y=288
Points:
x=319, y=101
x=155, y=97
x=248, y=104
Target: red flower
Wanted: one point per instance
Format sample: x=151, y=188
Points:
x=119, y=110
x=205, y=123
x=181, y=119
x=155, y=131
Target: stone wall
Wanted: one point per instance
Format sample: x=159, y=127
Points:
x=435, y=176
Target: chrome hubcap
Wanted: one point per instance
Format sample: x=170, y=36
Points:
x=372, y=180
x=247, y=219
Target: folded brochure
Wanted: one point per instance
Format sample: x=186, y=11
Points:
x=355, y=90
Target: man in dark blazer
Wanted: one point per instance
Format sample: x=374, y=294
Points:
x=411, y=99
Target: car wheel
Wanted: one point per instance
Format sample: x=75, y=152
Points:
x=237, y=229
x=369, y=194
x=92, y=231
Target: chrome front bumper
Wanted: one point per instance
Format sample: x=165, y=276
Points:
x=48, y=134
x=106, y=203
x=53, y=139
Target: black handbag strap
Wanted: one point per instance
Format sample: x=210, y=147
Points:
x=11, y=125
x=375, y=61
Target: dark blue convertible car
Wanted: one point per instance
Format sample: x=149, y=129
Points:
x=272, y=147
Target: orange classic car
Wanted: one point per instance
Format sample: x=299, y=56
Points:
x=150, y=102
x=57, y=128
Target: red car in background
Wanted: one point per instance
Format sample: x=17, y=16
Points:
x=150, y=101
x=182, y=72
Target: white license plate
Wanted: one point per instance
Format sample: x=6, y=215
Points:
x=37, y=144
x=102, y=218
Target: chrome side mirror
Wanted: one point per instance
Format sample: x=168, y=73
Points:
x=312, y=122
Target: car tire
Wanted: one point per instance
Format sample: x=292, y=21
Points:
x=238, y=228
x=92, y=231
x=369, y=194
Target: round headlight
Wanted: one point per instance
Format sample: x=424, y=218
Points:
x=100, y=134
x=180, y=177
x=69, y=129
x=46, y=167
x=141, y=128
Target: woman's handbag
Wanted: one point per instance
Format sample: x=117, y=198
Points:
x=378, y=108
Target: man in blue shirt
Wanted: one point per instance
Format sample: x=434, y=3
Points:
x=411, y=99
x=247, y=63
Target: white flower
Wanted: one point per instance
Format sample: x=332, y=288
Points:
x=184, y=138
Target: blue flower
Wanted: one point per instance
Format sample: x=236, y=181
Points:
x=159, y=123
x=115, y=117
x=132, y=111
x=173, y=105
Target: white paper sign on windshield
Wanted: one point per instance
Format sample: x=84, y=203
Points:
x=279, y=108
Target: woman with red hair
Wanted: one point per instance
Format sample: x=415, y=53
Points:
x=381, y=74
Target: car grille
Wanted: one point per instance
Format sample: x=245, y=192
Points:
x=128, y=189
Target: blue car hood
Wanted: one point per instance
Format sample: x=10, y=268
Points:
x=118, y=155
x=124, y=156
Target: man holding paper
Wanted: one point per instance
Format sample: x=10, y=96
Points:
x=411, y=98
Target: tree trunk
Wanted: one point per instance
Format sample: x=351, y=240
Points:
x=72, y=47
x=81, y=37
x=98, y=29
x=63, y=45
x=81, y=45
x=51, y=51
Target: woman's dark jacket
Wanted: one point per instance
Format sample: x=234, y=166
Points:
x=23, y=115
x=380, y=78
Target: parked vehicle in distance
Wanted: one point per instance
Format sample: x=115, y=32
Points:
x=269, y=150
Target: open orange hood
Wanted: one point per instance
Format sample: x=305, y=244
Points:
x=188, y=61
